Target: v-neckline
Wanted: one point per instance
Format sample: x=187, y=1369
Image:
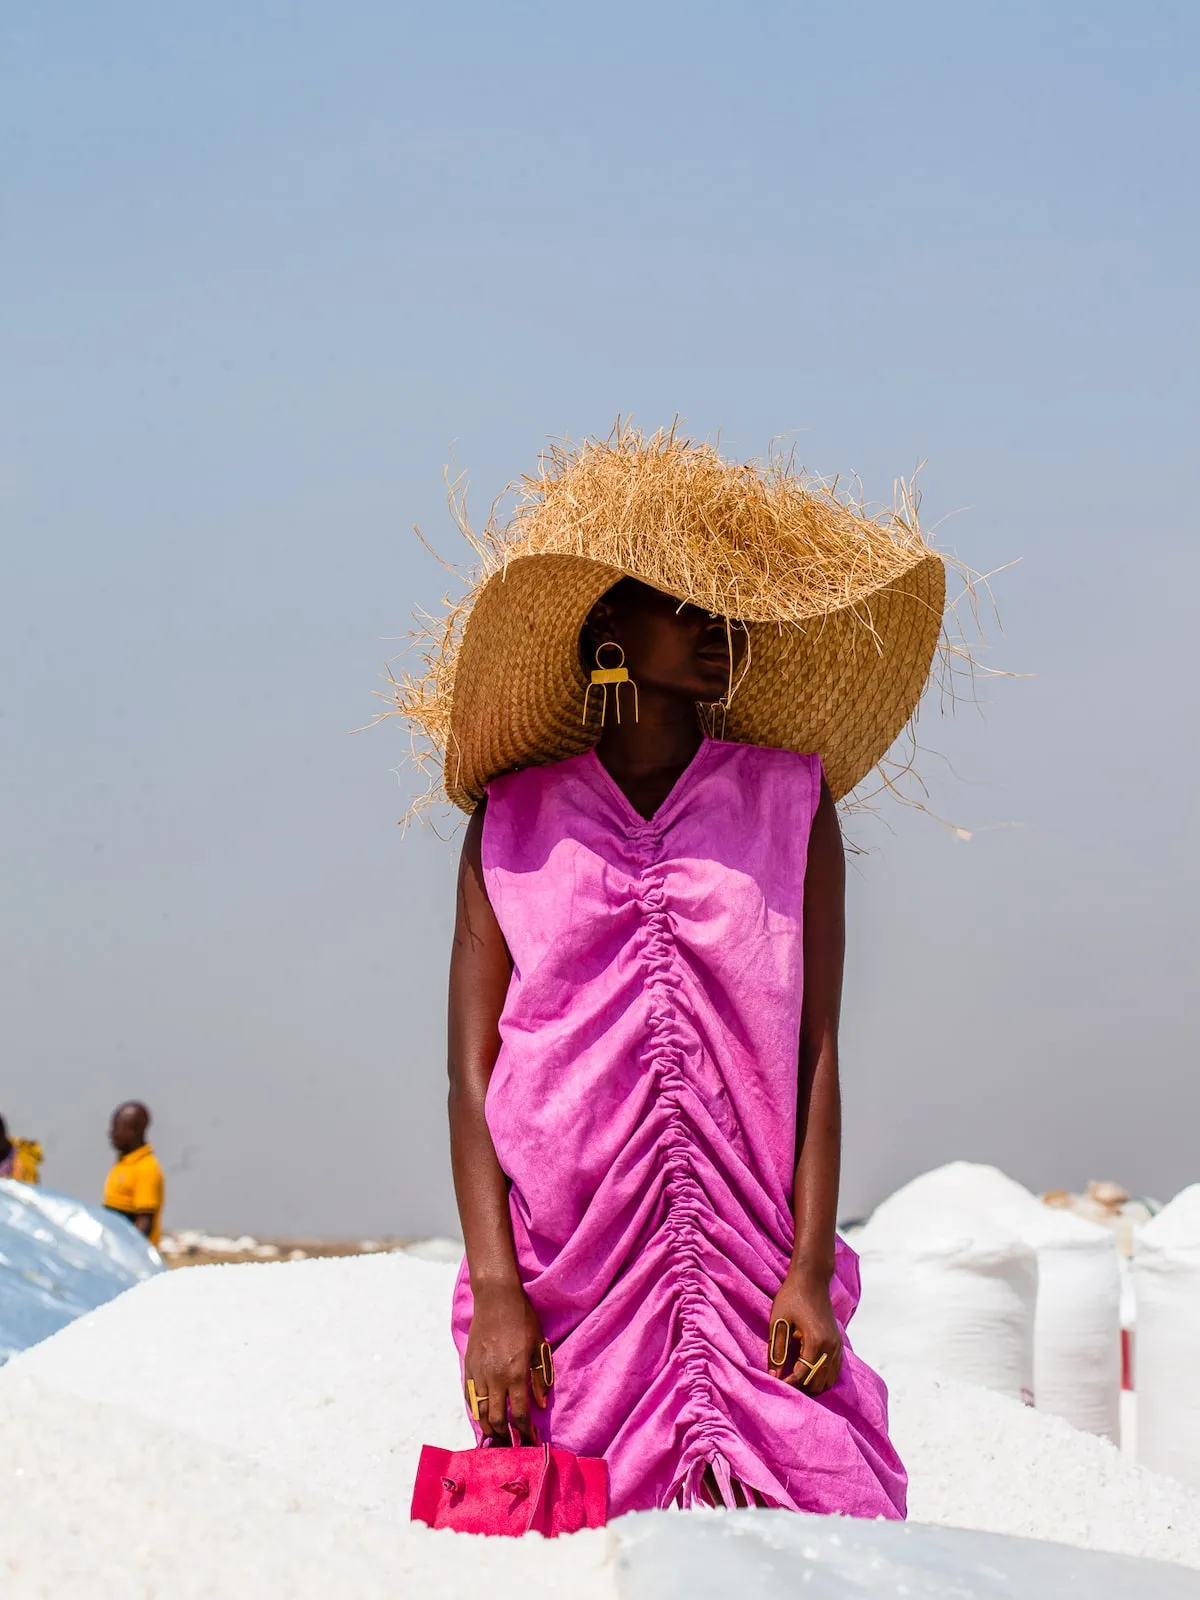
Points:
x=668, y=799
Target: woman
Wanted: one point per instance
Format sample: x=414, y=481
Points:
x=647, y=966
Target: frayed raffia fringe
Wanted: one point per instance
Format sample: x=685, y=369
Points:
x=757, y=541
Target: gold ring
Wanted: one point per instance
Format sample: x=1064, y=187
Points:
x=813, y=1368
x=544, y=1363
x=781, y=1325
x=474, y=1397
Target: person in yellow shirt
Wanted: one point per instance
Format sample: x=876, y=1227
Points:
x=20, y=1159
x=134, y=1187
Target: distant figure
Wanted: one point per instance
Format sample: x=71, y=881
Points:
x=135, y=1185
x=19, y=1158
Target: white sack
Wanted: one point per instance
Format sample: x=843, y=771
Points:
x=959, y=1305
x=1166, y=1271
x=1075, y=1332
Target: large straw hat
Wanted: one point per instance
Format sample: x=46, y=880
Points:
x=843, y=610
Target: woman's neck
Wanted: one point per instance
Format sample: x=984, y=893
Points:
x=660, y=744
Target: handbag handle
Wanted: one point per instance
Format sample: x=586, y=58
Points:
x=514, y=1439
x=535, y=1492
x=538, y=1494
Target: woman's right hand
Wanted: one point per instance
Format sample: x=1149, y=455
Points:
x=504, y=1338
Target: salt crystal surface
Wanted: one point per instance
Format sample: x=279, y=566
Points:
x=332, y=1372
x=98, y=1500
x=979, y=1460
x=177, y=1426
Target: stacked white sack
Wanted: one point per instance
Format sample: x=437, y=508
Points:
x=1077, y=1329
x=946, y=1293
x=1166, y=1273
x=963, y=1231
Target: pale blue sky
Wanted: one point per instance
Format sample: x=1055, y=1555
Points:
x=264, y=265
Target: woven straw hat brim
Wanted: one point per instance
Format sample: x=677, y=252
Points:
x=842, y=685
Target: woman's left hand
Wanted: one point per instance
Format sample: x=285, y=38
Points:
x=804, y=1302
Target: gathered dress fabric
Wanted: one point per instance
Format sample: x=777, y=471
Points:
x=643, y=1107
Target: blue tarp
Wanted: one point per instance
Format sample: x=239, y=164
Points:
x=58, y=1259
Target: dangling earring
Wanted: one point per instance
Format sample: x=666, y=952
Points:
x=603, y=676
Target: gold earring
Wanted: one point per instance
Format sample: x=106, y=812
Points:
x=603, y=676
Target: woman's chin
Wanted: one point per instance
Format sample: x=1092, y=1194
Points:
x=705, y=687
x=712, y=686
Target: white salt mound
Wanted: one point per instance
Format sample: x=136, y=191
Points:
x=331, y=1372
x=327, y=1376
x=447, y=1250
x=1166, y=1274
x=979, y=1460
x=99, y=1500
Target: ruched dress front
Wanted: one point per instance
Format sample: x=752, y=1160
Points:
x=643, y=1105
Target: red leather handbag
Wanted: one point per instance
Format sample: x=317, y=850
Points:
x=525, y=1489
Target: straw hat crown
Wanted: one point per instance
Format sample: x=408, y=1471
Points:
x=843, y=609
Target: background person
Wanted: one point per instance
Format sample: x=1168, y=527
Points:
x=134, y=1187
x=20, y=1159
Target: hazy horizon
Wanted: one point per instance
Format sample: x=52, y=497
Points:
x=268, y=268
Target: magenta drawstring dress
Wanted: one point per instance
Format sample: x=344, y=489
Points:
x=643, y=1105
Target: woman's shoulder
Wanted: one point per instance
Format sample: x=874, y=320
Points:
x=530, y=808
x=533, y=783
x=790, y=766
x=781, y=787
x=531, y=798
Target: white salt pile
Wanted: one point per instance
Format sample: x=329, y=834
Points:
x=99, y=1500
x=186, y=1242
x=277, y=1411
x=979, y=1460
x=183, y=1243
x=968, y=1274
x=1166, y=1274
x=331, y=1372
x=447, y=1250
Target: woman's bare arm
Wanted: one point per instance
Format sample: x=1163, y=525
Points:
x=504, y=1329
x=804, y=1297
x=819, y=1105
x=480, y=968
